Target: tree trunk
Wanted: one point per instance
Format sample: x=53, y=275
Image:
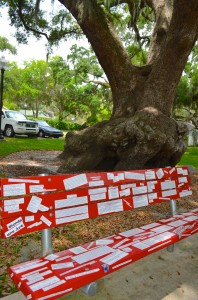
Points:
x=140, y=133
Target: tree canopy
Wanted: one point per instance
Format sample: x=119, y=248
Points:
x=143, y=47
x=5, y=45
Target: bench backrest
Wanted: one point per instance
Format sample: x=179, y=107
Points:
x=35, y=203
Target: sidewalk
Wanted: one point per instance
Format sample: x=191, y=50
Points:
x=160, y=276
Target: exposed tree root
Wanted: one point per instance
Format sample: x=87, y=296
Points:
x=147, y=139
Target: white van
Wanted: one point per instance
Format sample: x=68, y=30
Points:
x=14, y=122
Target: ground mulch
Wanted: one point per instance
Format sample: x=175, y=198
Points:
x=22, y=248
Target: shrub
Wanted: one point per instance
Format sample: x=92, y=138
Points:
x=62, y=125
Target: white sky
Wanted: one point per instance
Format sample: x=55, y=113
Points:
x=35, y=49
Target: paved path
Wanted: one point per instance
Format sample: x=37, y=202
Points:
x=160, y=276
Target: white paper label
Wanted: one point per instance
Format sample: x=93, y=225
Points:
x=78, y=250
x=73, y=201
x=160, y=173
x=104, y=242
x=125, y=192
x=151, y=186
x=19, y=225
x=13, y=202
x=182, y=179
x=110, y=176
x=29, y=219
x=139, y=190
x=169, y=184
x=169, y=193
x=113, y=192
x=71, y=211
x=14, y=223
x=14, y=189
x=82, y=274
x=43, y=208
x=185, y=193
x=133, y=175
x=23, y=180
x=97, y=191
x=152, y=196
x=46, y=221
x=149, y=226
x=118, y=177
x=114, y=257
x=12, y=208
x=126, y=186
x=34, y=224
x=62, y=266
x=75, y=181
x=34, y=204
x=96, y=183
x=182, y=171
x=72, y=218
x=37, y=188
x=92, y=254
x=110, y=206
x=161, y=228
x=96, y=197
x=150, y=174
x=37, y=286
x=139, y=201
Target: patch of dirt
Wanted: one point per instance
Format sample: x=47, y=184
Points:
x=30, y=163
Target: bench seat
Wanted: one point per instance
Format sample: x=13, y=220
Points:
x=55, y=275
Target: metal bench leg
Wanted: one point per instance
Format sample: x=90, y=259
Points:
x=46, y=241
x=90, y=289
x=173, y=207
x=46, y=237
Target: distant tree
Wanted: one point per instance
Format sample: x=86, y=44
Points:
x=13, y=77
x=33, y=89
x=5, y=45
x=186, y=101
x=76, y=87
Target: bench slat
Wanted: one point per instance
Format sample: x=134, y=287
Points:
x=18, y=205
x=57, y=274
x=50, y=210
x=30, y=185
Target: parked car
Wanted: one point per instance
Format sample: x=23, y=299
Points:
x=46, y=130
x=14, y=122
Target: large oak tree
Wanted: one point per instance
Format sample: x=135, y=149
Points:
x=140, y=132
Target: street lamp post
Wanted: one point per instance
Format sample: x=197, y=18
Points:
x=25, y=106
x=3, y=66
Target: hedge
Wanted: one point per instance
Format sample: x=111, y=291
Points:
x=62, y=125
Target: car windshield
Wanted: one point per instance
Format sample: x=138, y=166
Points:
x=15, y=115
x=42, y=123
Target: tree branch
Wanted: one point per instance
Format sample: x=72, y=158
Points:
x=27, y=27
x=168, y=65
x=105, y=42
x=163, y=12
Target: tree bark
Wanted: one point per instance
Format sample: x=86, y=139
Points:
x=140, y=133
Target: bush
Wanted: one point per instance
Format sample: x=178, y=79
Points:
x=64, y=125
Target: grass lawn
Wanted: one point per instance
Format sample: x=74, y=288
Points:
x=190, y=157
x=11, y=145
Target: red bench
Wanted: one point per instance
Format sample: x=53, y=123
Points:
x=37, y=203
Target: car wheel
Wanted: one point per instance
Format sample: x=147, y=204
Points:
x=41, y=134
x=9, y=132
